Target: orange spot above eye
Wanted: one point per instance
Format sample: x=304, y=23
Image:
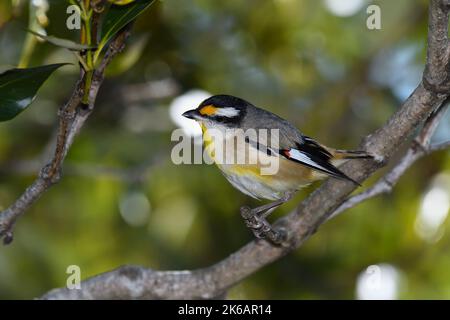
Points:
x=208, y=110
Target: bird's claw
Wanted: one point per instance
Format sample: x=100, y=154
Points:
x=260, y=227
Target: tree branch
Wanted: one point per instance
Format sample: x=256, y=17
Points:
x=420, y=147
x=72, y=117
x=132, y=282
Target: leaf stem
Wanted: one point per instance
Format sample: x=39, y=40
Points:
x=30, y=40
x=81, y=60
x=87, y=15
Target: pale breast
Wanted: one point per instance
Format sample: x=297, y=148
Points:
x=256, y=173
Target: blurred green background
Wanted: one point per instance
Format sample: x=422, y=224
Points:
x=123, y=201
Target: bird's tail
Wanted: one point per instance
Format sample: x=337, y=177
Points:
x=341, y=156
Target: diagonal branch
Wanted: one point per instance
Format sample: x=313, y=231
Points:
x=420, y=147
x=137, y=282
x=438, y=50
x=72, y=117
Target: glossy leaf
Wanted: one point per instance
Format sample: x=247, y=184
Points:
x=118, y=17
x=18, y=88
x=63, y=43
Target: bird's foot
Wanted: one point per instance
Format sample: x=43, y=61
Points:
x=260, y=227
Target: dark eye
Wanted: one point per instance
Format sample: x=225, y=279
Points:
x=222, y=119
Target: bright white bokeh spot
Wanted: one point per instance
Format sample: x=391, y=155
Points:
x=41, y=4
x=187, y=101
x=344, y=8
x=378, y=282
x=134, y=208
x=434, y=209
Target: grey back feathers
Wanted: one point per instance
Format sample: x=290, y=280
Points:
x=252, y=117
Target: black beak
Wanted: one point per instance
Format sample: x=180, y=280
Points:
x=191, y=114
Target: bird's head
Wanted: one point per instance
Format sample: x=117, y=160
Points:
x=224, y=110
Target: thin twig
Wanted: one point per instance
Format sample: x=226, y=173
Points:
x=439, y=146
x=420, y=147
x=72, y=116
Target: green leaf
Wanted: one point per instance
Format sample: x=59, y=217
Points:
x=63, y=43
x=18, y=88
x=118, y=17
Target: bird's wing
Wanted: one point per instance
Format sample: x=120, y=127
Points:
x=292, y=144
x=308, y=153
x=313, y=155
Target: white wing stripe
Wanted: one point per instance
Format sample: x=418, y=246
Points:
x=300, y=156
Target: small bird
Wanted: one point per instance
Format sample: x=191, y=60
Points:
x=301, y=160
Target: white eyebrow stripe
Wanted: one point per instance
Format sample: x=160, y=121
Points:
x=228, y=112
